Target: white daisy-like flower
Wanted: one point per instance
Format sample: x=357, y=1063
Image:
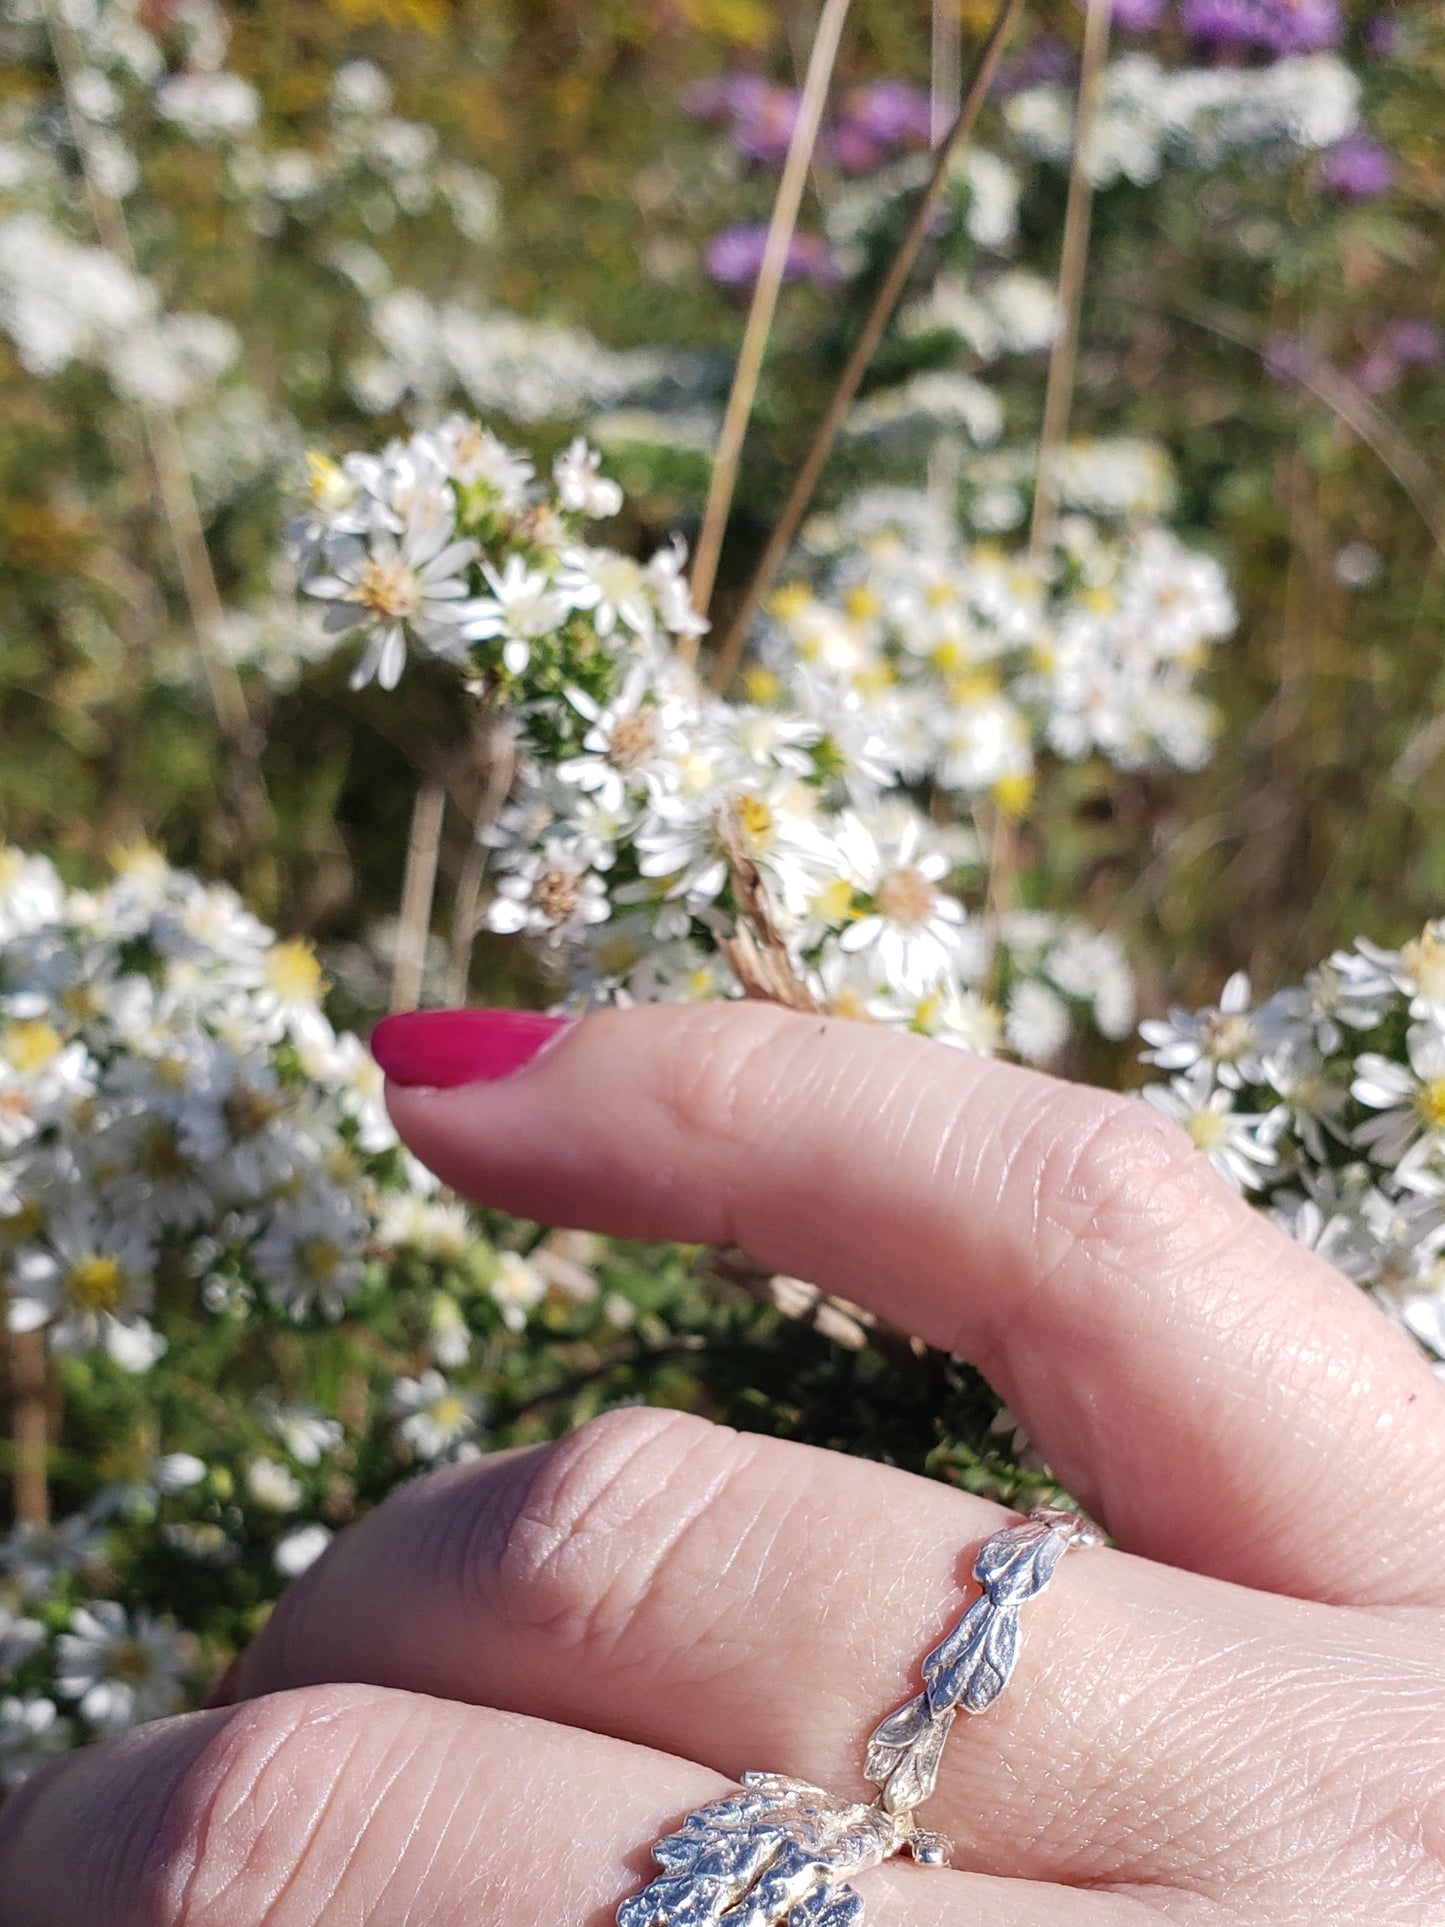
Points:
x=919, y=932
x=306, y=1433
x=611, y=588
x=396, y=586
x=517, y=1287
x=434, y=1416
x=474, y=455
x=310, y=1253
x=121, y=1670
x=91, y=1278
x=524, y=606
x=551, y=893
x=1409, y=1100
x=273, y=1486
x=1238, y=1144
x=632, y=744
x=581, y=488
x=1037, y=1023
x=1230, y=1038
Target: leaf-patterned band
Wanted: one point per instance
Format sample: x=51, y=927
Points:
x=972, y=1666
x=782, y=1851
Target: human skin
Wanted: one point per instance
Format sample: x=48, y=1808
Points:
x=489, y=1698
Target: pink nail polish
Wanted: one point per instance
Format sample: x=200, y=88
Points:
x=444, y=1048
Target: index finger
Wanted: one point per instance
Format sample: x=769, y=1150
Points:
x=1220, y=1398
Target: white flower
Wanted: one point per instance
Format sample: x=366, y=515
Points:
x=307, y=1434
x=399, y=586
x=1410, y=1100
x=121, y=1670
x=611, y=588
x=1037, y=1024
x=272, y=1486
x=517, y=1287
x=1238, y=1144
x=581, y=488
x=310, y=1253
x=91, y=1278
x=1229, y=1038
x=299, y=1550
x=551, y=893
x=474, y=456
x=435, y=1417
x=523, y=607
x=918, y=931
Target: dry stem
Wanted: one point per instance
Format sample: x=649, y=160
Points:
x=30, y=1426
x=1073, y=262
x=879, y=314
x=762, y=309
x=499, y=750
x=756, y=950
x=417, y=892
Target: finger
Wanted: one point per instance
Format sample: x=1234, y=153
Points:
x=354, y=1805
x=745, y=1600
x=1219, y=1397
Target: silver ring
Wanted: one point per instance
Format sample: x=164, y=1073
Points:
x=780, y=1850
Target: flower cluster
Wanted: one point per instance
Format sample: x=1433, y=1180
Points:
x=1326, y=1104
x=645, y=806
x=179, y=1121
x=970, y=660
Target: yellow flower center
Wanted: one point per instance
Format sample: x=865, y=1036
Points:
x=851, y=1004
x=1226, y=1036
x=761, y=685
x=319, y=1257
x=389, y=590
x=834, y=901
x=29, y=1045
x=1431, y=1102
x=1014, y=793
x=862, y=604
x=96, y=1284
x=450, y=1413
x=756, y=820
x=293, y=972
x=1209, y=1129
x=790, y=601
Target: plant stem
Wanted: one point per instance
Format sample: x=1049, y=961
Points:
x=1073, y=264
x=879, y=315
x=764, y=304
x=171, y=469
x=30, y=1426
x=417, y=893
x=499, y=757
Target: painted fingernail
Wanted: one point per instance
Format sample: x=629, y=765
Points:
x=441, y=1049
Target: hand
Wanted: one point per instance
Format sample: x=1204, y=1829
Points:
x=489, y=1698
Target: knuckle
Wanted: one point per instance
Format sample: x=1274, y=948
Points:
x=725, y=1067
x=254, y=1810
x=585, y=1559
x=1111, y=1178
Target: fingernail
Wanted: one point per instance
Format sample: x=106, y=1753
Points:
x=441, y=1049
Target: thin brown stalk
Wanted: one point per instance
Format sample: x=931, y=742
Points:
x=167, y=457
x=1073, y=266
x=500, y=753
x=880, y=313
x=946, y=70
x=757, y=952
x=763, y=307
x=417, y=893
x=30, y=1426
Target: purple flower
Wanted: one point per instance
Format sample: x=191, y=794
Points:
x=1134, y=16
x=735, y=257
x=1406, y=343
x=890, y=112
x=1382, y=36
x=1049, y=58
x=763, y=115
x=1359, y=169
x=1274, y=26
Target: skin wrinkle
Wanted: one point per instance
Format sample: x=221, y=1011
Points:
x=547, y=1533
